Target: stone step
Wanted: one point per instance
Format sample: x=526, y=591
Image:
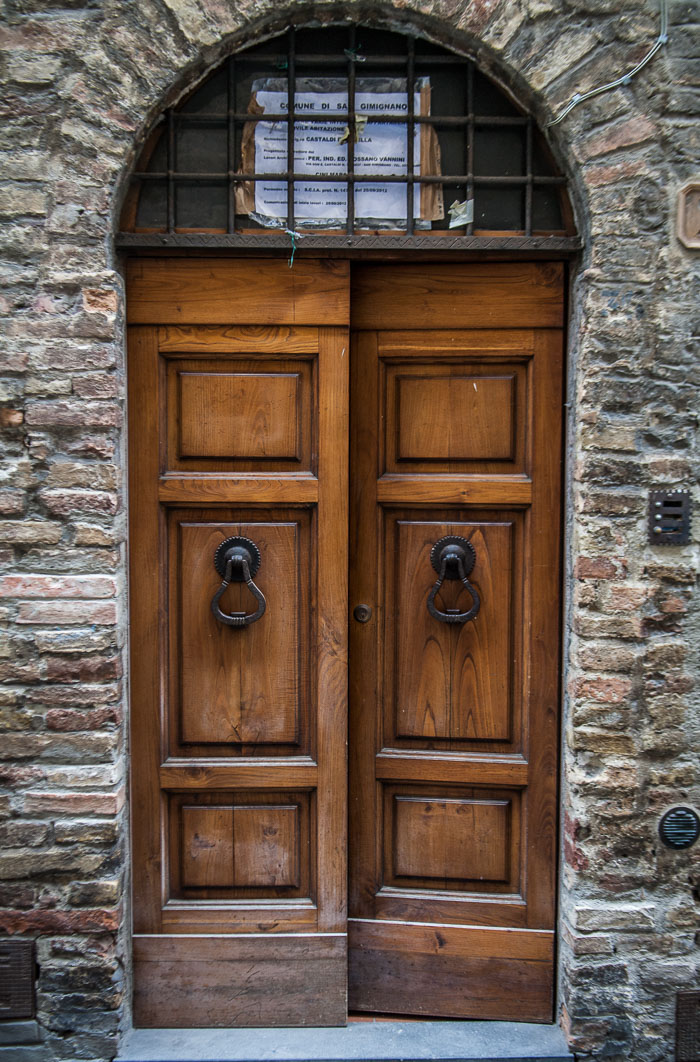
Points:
x=361, y=1041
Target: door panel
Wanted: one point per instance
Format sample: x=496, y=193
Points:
x=453, y=732
x=239, y=427
x=234, y=695
x=447, y=684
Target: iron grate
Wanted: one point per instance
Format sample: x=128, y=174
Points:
x=16, y=979
x=688, y=1027
x=515, y=180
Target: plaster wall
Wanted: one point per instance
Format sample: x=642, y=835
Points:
x=83, y=79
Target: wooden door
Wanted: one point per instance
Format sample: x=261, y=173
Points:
x=456, y=431
x=238, y=418
x=238, y=413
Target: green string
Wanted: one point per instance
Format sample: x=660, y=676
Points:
x=294, y=237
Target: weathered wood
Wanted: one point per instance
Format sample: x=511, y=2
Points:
x=247, y=981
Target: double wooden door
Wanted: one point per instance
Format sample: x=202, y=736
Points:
x=402, y=423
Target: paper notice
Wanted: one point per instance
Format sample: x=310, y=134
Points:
x=321, y=147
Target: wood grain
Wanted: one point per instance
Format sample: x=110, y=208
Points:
x=448, y=681
x=454, y=490
x=421, y=970
x=228, y=291
x=476, y=295
x=440, y=836
x=210, y=490
x=146, y=611
x=247, y=981
x=227, y=695
x=240, y=415
x=453, y=840
x=239, y=739
x=208, y=339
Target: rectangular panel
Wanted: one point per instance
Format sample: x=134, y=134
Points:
x=247, y=981
x=450, y=682
x=451, y=839
x=240, y=686
x=455, y=418
x=239, y=414
x=458, y=418
x=488, y=974
x=186, y=291
x=207, y=847
x=265, y=849
x=474, y=295
x=208, y=339
x=241, y=845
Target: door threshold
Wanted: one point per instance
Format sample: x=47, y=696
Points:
x=380, y=1041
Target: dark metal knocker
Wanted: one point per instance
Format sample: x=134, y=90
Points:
x=237, y=560
x=453, y=558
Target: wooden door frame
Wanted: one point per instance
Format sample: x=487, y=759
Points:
x=379, y=257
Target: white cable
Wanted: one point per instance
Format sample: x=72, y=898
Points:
x=580, y=97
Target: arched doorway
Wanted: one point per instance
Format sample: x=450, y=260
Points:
x=253, y=379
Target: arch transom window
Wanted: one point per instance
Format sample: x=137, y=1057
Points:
x=347, y=136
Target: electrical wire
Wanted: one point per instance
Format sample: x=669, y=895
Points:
x=581, y=97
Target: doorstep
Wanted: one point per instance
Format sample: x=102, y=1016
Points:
x=378, y=1041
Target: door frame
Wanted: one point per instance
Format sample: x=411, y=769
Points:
x=467, y=257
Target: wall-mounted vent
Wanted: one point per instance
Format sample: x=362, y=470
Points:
x=669, y=517
x=16, y=979
x=679, y=828
x=688, y=1027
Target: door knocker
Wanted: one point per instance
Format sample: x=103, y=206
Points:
x=237, y=560
x=453, y=558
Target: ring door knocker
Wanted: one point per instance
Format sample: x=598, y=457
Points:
x=237, y=560
x=453, y=558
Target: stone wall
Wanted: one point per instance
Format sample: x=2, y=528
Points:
x=83, y=79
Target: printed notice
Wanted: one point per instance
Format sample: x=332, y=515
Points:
x=321, y=147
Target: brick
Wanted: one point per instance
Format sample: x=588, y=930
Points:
x=72, y=413
x=596, y=568
x=70, y=720
x=26, y=532
x=100, y=301
x=11, y=418
x=67, y=586
x=72, y=641
x=82, y=921
x=65, y=803
x=69, y=502
x=68, y=612
x=608, y=690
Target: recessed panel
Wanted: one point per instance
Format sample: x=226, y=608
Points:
x=234, y=413
x=238, y=415
x=451, y=838
x=239, y=689
x=456, y=416
x=451, y=682
x=462, y=418
x=242, y=844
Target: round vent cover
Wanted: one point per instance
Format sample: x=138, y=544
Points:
x=679, y=828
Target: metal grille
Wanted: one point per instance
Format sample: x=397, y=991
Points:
x=16, y=979
x=688, y=1027
x=492, y=153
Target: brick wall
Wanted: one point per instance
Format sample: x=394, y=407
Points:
x=83, y=80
